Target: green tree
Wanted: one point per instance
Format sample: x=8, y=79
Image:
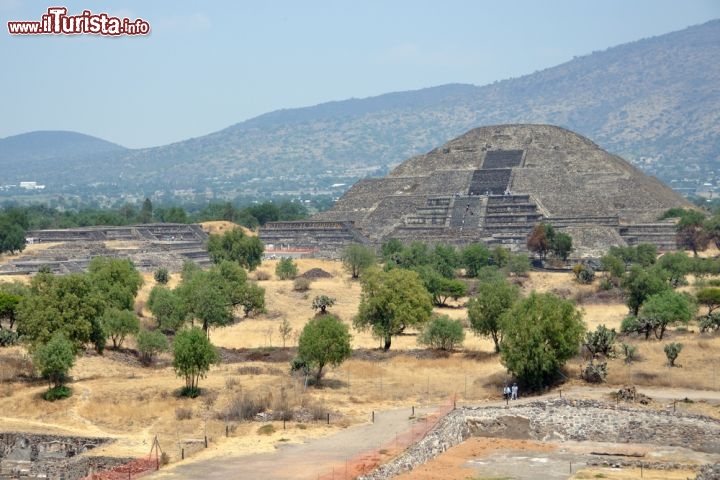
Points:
x=150, y=343
x=518, y=264
x=8, y=307
x=207, y=298
x=445, y=259
x=356, y=258
x=54, y=360
x=540, y=239
x=474, y=257
x=691, y=232
x=639, y=284
x=324, y=340
x=677, y=265
x=540, y=333
x=162, y=276
x=236, y=246
x=68, y=304
x=146, y=212
x=708, y=297
x=561, y=245
x=12, y=239
x=118, y=324
x=193, y=355
x=486, y=309
x=442, y=333
x=441, y=288
x=117, y=280
x=666, y=308
x=167, y=308
x=322, y=302
x=286, y=269
x=390, y=250
x=392, y=301
x=252, y=298
x=613, y=266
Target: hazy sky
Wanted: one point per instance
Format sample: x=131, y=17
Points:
x=208, y=65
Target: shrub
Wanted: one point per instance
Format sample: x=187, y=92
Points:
x=629, y=352
x=594, y=372
x=709, y=322
x=183, y=413
x=57, y=393
x=8, y=337
x=672, y=350
x=584, y=274
x=262, y=275
x=149, y=344
x=244, y=408
x=54, y=360
x=601, y=341
x=301, y=284
x=606, y=284
x=162, y=276
x=266, y=429
x=442, y=333
x=286, y=269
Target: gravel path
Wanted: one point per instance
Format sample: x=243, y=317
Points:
x=318, y=457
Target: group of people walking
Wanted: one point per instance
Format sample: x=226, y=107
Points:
x=510, y=393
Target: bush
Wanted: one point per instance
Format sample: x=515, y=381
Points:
x=301, y=284
x=286, y=269
x=584, y=274
x=709, y=322
x=594, y=372
x=266, y=429
x=54, y=360
x=606, y=284
x=183, y=413
x=262, y=275
x=442, y=333
x=672, y=350
x=244, y=408
x=629, y=352
x=8, y=338
x=57, y=393
x=162, y=276
x=149, y=344
x=601, y=341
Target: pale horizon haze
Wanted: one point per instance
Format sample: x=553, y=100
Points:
x=206, y=66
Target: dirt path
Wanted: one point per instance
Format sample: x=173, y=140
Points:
x=315, y=459
x=319, y=458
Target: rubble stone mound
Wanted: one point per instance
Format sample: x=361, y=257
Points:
x=493, y=184
x=315, y=273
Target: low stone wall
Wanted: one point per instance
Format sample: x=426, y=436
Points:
x=559, y=420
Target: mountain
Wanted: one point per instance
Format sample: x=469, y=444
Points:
x=654, y=102
x=44, y=154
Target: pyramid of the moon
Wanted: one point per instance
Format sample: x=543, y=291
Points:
x=492, y=185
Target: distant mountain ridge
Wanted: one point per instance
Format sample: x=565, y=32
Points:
x=655, y=102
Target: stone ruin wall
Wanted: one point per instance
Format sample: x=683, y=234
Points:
x=561, y=420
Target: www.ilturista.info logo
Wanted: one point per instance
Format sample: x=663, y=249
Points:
x=58, y=22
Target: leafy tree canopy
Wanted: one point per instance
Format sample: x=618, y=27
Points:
x=324, y=340
x=193, y=355
x=236, y=246
x=392, y=301
x=541, y=332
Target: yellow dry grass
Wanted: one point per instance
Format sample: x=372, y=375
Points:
x=116, y=398
x=631, y=473
x=222, y=226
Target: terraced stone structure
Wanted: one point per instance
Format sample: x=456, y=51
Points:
x=149, y=246
x=493, y=184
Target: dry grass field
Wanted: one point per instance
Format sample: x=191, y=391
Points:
x=114, y=396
